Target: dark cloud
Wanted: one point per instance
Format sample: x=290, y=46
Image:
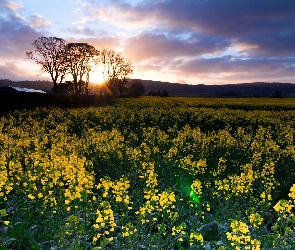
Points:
x=16, y=36
x=269, y=24
x=227, y=17
x=278, y=44
x=264, y=67
x=148, y=46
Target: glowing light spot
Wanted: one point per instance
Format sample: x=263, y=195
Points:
x=194, y=196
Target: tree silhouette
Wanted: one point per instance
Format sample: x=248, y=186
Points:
x=115, y=71
x=277, y=94
x=49, y=53
x=79, y=57
x=59, y=58
x=136, y=88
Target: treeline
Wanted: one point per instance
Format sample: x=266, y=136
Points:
x=161, y=93
x=79, y=60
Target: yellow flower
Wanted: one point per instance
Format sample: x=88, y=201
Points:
x=255, y=220
x=6, y=222
x=208, y=207
x=283, y=206
x=32, y=197
x=292, y=192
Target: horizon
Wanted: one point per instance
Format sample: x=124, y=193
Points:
x=155, y=81
x=168, y=41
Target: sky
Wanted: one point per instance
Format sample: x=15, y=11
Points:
x=184, y=41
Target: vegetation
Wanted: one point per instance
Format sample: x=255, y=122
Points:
x=16, y=100
x=50, y=55
x=59, y=58
x=150, y=173
x=78, y=60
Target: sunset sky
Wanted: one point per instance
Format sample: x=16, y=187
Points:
x=185, y=41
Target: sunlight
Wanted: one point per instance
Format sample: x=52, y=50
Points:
x=119, y=50
x=96, y=77
x=97, y=74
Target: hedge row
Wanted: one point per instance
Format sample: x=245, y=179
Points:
x=10, y=101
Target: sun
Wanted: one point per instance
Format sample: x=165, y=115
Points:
x=96, y=78
x=97, y=75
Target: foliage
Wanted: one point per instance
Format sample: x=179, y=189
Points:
x=10, y=101
x=162, y=93
x=136, y=88
x=59, y=58
x=149, y=173
x=115, y=70
x=277, y=94
x=50, y=55
x=79, y=58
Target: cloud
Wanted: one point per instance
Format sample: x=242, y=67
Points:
x=267, y=24
x=121, y=14
x=37, y=21
x=225, y=69
x=279, y=44
x=99, y=43
x=14, y=6
x=85, y=31
x=146, y=46
x=236, y=68
x=15, y=37
x=191, y=40
x=223, y=17
x=222, y=39
x=83, y=20
x=270, y=25
x=11, y=70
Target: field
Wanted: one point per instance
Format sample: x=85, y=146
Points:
x=150, y=173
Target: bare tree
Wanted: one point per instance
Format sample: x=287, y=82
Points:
x=115, y=71
x=49, y=53
x=79, y=60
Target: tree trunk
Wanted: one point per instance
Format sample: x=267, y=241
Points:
x=54, y=86
x=76, y=85
x=87, y=83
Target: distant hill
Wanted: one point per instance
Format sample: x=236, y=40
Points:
x=178, y=89
x=239, y=89
x=41, y=85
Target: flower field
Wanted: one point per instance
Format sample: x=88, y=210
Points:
x=150, y=173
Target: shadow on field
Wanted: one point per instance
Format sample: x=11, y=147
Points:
x=10, y=101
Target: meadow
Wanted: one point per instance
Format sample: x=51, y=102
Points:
x=150, y=173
